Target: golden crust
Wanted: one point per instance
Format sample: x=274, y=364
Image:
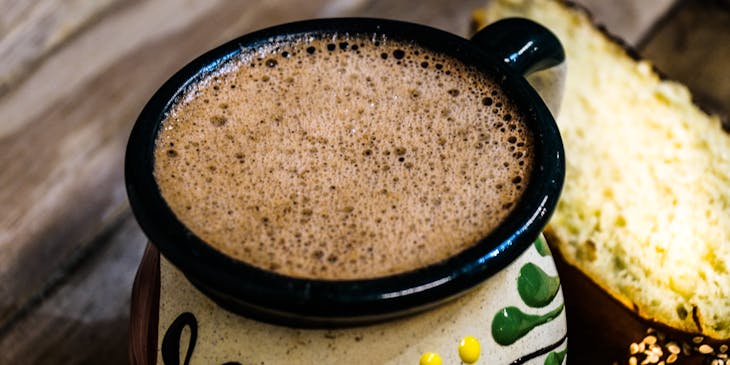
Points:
x=694, y=320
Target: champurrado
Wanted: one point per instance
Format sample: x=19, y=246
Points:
x=342, y=157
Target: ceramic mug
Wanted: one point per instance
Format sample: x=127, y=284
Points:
x=514, y=254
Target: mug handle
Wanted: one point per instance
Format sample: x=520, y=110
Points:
x=530, y=50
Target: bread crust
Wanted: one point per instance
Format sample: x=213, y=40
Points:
x=697, y=323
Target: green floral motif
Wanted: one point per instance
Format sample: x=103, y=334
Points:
x=556, y=358
x=510, y=323
x=537, y=289
x=541, y=246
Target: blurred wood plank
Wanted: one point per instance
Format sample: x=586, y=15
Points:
x=693, y=46
x=85, y=320
x=62, y=171
x=31, y=30
x=629, y=20
x=450, y=16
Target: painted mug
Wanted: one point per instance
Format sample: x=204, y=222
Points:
x=500, y=297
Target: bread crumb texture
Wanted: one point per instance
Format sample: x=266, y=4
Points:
x=645, y=211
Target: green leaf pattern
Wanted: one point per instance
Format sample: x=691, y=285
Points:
x=537, y=289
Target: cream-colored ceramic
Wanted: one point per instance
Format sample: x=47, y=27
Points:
x=524, y=297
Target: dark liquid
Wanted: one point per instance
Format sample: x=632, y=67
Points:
x=343, y=157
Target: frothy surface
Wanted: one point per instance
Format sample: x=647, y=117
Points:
x=342, y=157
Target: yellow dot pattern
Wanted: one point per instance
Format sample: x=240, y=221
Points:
x=430, y=358
x=469, y=350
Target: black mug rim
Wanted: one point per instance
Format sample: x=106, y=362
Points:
x=277, y=298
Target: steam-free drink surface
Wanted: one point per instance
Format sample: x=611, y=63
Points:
x=342, y=157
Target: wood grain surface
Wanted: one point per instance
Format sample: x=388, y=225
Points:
x=692, y=44
x=73, y=77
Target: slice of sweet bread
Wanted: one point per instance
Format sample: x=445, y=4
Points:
x=645, y=212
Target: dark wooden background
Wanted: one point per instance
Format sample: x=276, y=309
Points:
x=75, y=74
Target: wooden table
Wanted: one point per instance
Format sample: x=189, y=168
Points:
x=75, y=74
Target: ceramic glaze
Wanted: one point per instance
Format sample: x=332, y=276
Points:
x=194, y=330
x=498, y=301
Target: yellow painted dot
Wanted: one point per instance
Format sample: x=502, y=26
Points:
x=430, y=358
x=469, y=350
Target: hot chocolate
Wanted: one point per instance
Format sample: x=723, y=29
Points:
x=342, y=157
